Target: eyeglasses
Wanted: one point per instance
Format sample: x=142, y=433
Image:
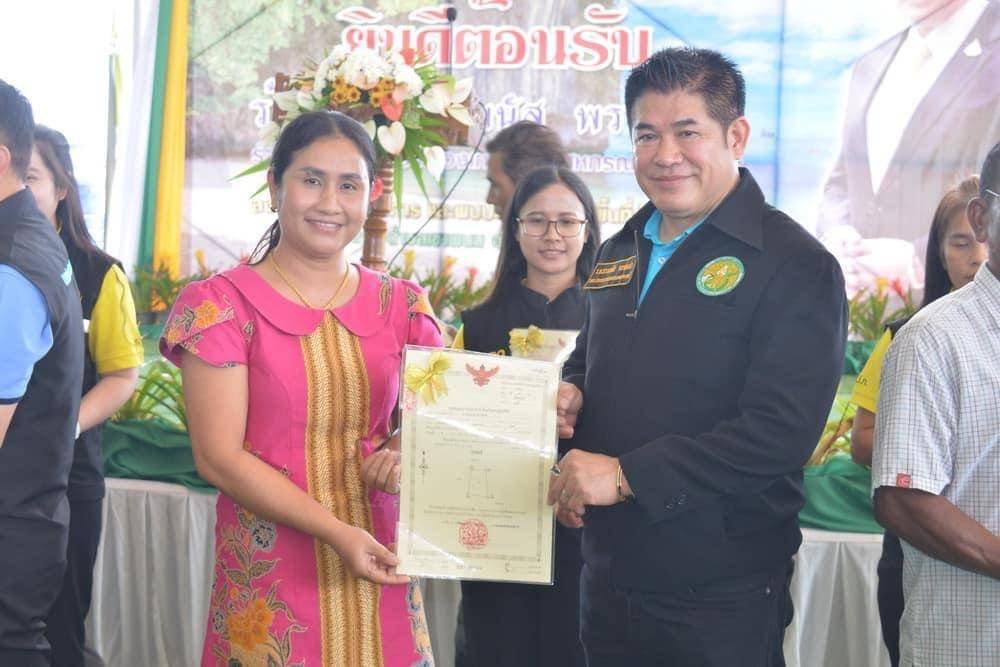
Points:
x=990, y=192
x=538, y=226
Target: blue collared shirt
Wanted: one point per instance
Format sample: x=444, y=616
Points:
x=662, y=250
x=26, y=335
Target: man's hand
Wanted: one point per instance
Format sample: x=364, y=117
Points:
x=569, y=519
x=568, y=405
x=381, y=470
x=584, y=479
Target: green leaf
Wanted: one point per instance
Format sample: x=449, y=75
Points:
x=429, y=121
x=255, y=169
x=411, y=119
x=418, y=174
x=430, y=137
x=397, y=184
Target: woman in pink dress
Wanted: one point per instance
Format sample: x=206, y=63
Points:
x=291, y=375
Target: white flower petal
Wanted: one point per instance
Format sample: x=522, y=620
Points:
x=287, y=100
x=392, y=137
x=306, y=100
x=462, y=89
x=434, y=100
x=434, y=155
x=269, y=133
x=460, y=113
x=369, y=126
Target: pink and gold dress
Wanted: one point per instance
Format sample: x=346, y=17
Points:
x=322, y=388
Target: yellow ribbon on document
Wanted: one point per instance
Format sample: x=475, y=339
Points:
x=525, y=343
x=428, y=382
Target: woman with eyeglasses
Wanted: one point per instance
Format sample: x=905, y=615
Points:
x=549, y=244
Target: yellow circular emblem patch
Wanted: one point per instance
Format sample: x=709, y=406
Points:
x=720, y=276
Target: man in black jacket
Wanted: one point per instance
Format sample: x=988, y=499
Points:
x=698, y=389
x=41, y=372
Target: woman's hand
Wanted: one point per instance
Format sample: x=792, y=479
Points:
x=365, y=558
x=381, y=470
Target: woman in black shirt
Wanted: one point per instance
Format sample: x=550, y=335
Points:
x=548, y=248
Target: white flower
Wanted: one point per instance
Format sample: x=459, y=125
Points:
x=363, y=68
x=394, y=59
x=435, y=160
x=392, y=137
x=269, y=133
x=287, y=100
x=319, y=80
x=447, y=97
x=338, y=55
x=408, y=83
x=306, y=100
x=369, y=126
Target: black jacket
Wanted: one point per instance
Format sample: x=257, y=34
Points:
x=86, y=477
x=712, y=403
x=38, y=448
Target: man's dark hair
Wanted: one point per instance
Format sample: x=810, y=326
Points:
x=526, y=145
x=989, y=176
x=17, y=127
x=697, y=71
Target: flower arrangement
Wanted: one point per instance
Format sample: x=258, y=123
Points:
x=869, y=312
x=448, y=294
x=406, y=105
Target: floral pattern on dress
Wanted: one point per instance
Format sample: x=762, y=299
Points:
x=418, y=623
x=384, y=291
x=185, y=327
x=244, y=619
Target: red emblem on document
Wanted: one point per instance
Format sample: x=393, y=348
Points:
x=473, y=534
x=482, y=375
x=903, y=480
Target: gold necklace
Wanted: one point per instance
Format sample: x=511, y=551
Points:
x=284, y=278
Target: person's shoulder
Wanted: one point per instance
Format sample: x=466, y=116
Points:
x=939, y=328
x=16, y=288
x=787, y=240
x=400, y=295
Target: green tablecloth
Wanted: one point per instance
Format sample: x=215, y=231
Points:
x=141, y=449
x=856, y=355
x=838, y=497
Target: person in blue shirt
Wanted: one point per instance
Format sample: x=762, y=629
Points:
x=41, y=374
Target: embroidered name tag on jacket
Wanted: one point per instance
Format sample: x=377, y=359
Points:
x=611, y=274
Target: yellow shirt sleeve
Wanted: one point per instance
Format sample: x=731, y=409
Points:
x=113, y=340
x=459, y=342
x=865, y=393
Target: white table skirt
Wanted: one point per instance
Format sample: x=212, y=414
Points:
x=154, y=573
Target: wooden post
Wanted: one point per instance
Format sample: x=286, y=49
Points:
x=375, y=228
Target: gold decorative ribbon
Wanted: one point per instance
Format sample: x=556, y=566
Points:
x=428, y=382
x=526, y=343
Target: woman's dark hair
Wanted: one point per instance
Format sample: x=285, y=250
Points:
x=511, y=264
x=54, y=151
x=299, y=134
x=936, y=281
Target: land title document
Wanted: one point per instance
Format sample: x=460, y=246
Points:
x=478, y=441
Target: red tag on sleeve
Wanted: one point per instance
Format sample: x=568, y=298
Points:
x=903, y=480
